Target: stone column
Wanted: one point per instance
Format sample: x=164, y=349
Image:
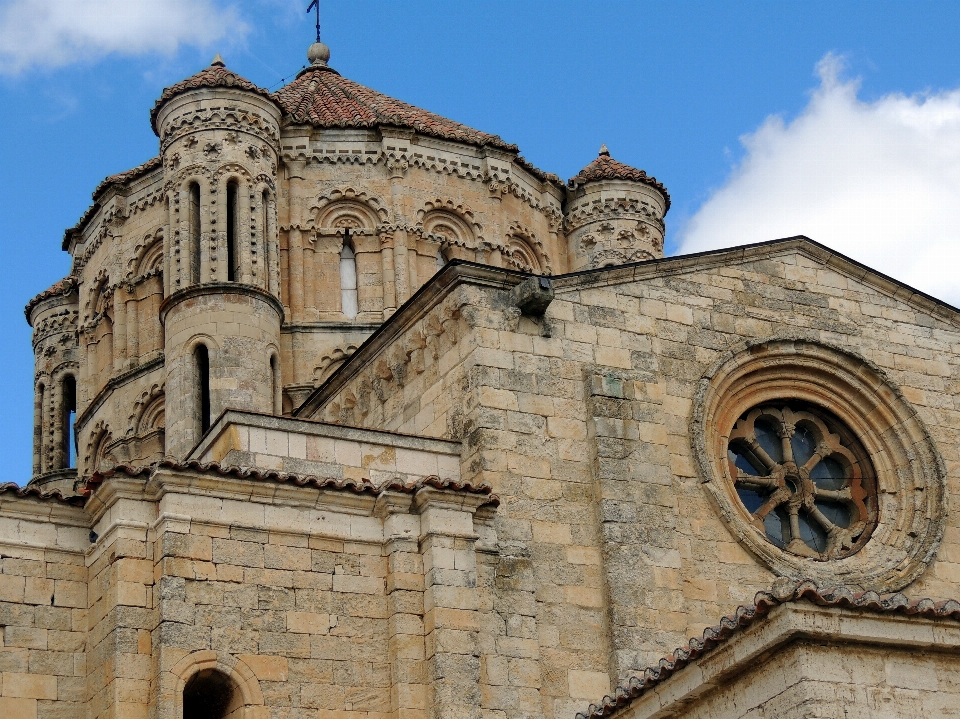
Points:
x=119, y=329
x=245, y=236
x=389, y=275
x=451, y=602
x=309, y=279
x=219, y=257
x=38, y=399
x=133, y=328
x=271, y=244
x=405, y=605
x=208, y=233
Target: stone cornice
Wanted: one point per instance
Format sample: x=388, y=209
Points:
x=219, y=288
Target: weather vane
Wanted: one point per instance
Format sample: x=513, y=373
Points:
x=315, y=5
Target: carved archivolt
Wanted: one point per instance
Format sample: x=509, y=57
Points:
x=449, y=224
x=147, y=256
x=97, y=457
x=329, y=363
x=98, y=300
x=148, y=412
x=893, y=444
x=523, y=251
x=348, y=208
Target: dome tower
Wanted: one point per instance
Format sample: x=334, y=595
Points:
x=614, y=215
x=219, y=143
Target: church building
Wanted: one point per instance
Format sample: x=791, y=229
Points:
x=345, y=410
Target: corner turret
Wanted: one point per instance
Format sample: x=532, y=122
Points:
x=53, y=314
x=220, y=143
x=614, y=215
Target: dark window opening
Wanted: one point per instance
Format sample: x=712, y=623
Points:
x=208, y=695
x=69, y=418
x=202, y=358
x=194, y=212
x=232, y=232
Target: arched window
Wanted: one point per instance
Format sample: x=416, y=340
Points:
x=68, y=417
x=441, y=260
x=276, y=388
x=210, y=694
x=233, y=272
x=194, y=219
x=201, y=358
x=348, y=279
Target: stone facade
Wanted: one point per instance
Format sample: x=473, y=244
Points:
x=324, y=469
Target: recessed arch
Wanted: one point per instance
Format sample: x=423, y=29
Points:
x=201, y=666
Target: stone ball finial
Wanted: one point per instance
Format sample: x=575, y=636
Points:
x=218, y=61
x=318, y=54
x=604, y=151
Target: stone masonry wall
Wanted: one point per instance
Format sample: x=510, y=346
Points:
x=43, y=611
x=582, y=423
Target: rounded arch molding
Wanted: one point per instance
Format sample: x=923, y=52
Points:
x=244, y=679
x=910, y=471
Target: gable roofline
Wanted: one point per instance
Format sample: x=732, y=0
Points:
x=827, y=256
x=460, y=272
x=764, y=603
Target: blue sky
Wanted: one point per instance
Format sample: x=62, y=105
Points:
x=840, y=120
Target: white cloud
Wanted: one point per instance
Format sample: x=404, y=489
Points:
x=878, y=181
x=51, y=33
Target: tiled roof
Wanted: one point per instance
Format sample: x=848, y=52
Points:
x=744, y=616
x=118, y=179
x=321, y=97
x=606, y=168
x=214, y=76
x=64, y=287
x=122, y=177
x=33, y=491
x=352, y=485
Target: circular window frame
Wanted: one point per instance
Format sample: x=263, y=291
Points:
x=788, y=489
x=910, y=473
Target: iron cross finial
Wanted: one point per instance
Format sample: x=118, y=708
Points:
x=315, y=5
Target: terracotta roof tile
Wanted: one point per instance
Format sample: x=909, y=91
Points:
x=64, y=287
x=606, y=168
x=744, y=616
x=351, y=485
x=122, y=177
x=33, y=491
x=214, y=76
x=321, y=97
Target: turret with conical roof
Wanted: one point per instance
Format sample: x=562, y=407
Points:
x=614, y=214
x=220, y=143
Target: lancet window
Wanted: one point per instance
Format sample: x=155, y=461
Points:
x=193, y=212
x=348, y=279
x=201, y=360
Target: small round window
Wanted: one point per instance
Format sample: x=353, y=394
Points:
x=804, y=479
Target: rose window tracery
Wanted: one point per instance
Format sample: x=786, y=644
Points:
x=804, y=479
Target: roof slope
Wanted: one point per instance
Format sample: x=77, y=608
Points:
x=322, y=97
x=217, y=75
x=606, y=168
x=744, y=616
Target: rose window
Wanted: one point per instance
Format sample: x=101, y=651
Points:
x=803, y=478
